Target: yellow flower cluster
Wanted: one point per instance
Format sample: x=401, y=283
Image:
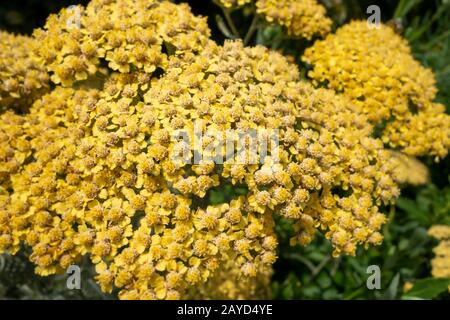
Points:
x=14, y=148
x=424, y=133
x=409, y=170
x=21, y=75
x=353, y=175
x=301, y=18
x=374, y=67
x=439, y=232
x=99, y=180
x=128, y=34
x=103, y=175
x=109, y=166
x=441, y=262
x=38, y=147
x=301, y=185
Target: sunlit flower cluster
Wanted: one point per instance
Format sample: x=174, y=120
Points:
x=38, y=148
x=22, y=77
x=374, y=67
x=441, y=262
x=14, y=148
x=128, y=35
x=105, y=164
x=409, y=170
x=301, y=18
x=103, y=177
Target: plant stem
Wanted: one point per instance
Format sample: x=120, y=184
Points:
x=227, y=14
x=251, y=30
x=386, y=233
x=319, y=267
x=300, y=258
x=222, y=25
x=277, y=41
x=336, y=264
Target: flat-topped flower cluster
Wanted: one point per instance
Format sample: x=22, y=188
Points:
x=93, y=168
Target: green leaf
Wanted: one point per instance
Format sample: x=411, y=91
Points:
x=412, y=209
x=223, y=27
x=404, y=6
x=331, y=294
x=428, y=288
x=391, y=292
x=324, y=281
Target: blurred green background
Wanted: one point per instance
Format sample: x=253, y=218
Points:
x=310, y=272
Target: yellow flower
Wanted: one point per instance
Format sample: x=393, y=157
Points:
x=385, y=83
x=75, y=53
x=96, y=171
x=440, y=265
x=305, y=18
x=23, y=76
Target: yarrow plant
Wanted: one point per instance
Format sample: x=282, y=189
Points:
x=101, y=163
x=375, y=69
x=441, y=262
x=23, y=77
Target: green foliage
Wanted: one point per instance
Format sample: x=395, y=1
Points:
x=429, y=35
x=428, y=288
x=404, y=256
